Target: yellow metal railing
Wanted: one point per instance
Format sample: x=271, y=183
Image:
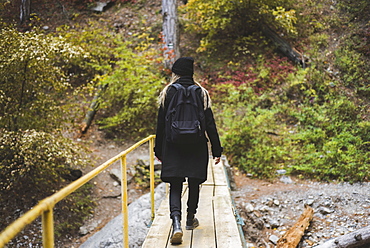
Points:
x=45, y=207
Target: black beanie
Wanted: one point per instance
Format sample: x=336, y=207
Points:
x=183, y=66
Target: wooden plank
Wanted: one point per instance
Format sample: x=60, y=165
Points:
x=218, y=227
x=219, y=174
x=159, y=231
x=204, y=234
x=227, y=233
x=210, y=179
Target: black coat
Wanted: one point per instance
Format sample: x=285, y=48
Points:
x=180, y=160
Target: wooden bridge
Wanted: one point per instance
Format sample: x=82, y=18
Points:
x=216, y=214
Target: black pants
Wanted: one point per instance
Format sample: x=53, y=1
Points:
x=175, y=195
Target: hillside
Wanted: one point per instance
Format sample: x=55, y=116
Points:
x=312, y=123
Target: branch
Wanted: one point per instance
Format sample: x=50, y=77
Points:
x=293, y=236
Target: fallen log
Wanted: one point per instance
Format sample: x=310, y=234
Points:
x=359, y=238
x=283, y=46
x=293, y=236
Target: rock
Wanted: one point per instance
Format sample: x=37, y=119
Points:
x=264, y=209
x=274, y=239
x=340, y=205
x=281, y=172
x=99, y=6
x=85, y=229
x=110, y=236
x=116, y=175
x=249, y=208
x=72, y=175
x=324, y=210
x=310, y=202
x=286, y=179
x=250, y=245
x=274, y=223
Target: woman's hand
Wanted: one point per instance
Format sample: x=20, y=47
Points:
x=217, y=160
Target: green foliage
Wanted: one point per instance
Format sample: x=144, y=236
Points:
x=34, y=82
x=249, y=133
x=73, y=210
x=331, y=142
x=306, y=127
x=32, y=156
x=359, y=8
x=37, y=72
x=354, y=67
x=221, y=22
x=127, y=75
x=99, y=42
x=33, y=166
x=142, y=175
x=132, y=91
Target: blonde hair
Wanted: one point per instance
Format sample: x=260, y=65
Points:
x=174, y=78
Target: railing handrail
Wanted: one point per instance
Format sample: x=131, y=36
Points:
x=45, y=207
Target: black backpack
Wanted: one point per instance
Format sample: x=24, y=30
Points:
x=185, y=120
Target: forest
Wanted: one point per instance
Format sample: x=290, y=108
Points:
x=289, y=82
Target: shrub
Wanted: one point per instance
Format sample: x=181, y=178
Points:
x=35, y=165
x=250, y=133
x=354, y=70
x=311, y=131
x=130, y=100
x=35, y=83
x=331, y=142
x=222, y=22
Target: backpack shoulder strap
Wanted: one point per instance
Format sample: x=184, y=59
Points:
x=192, y=91
x=194, y=86
x=177, y=86
x=177, y=97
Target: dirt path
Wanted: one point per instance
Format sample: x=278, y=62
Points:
x=107, y=191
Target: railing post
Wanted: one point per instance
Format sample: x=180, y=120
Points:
x=48, y=229
x=151, y=168
x=124, y=201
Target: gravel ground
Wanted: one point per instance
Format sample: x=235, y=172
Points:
x=269, y=209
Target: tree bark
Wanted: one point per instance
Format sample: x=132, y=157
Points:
x=25, y=10
x=359, y=238
x=293, y=236
x=171, y=36
x=283, y=46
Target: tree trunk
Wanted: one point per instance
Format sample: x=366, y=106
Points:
x=359, y=238
x=25, y=10
x=283, y=46
x=170, y=32
x=293, y=236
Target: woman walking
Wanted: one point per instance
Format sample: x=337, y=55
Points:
x=180, y=161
